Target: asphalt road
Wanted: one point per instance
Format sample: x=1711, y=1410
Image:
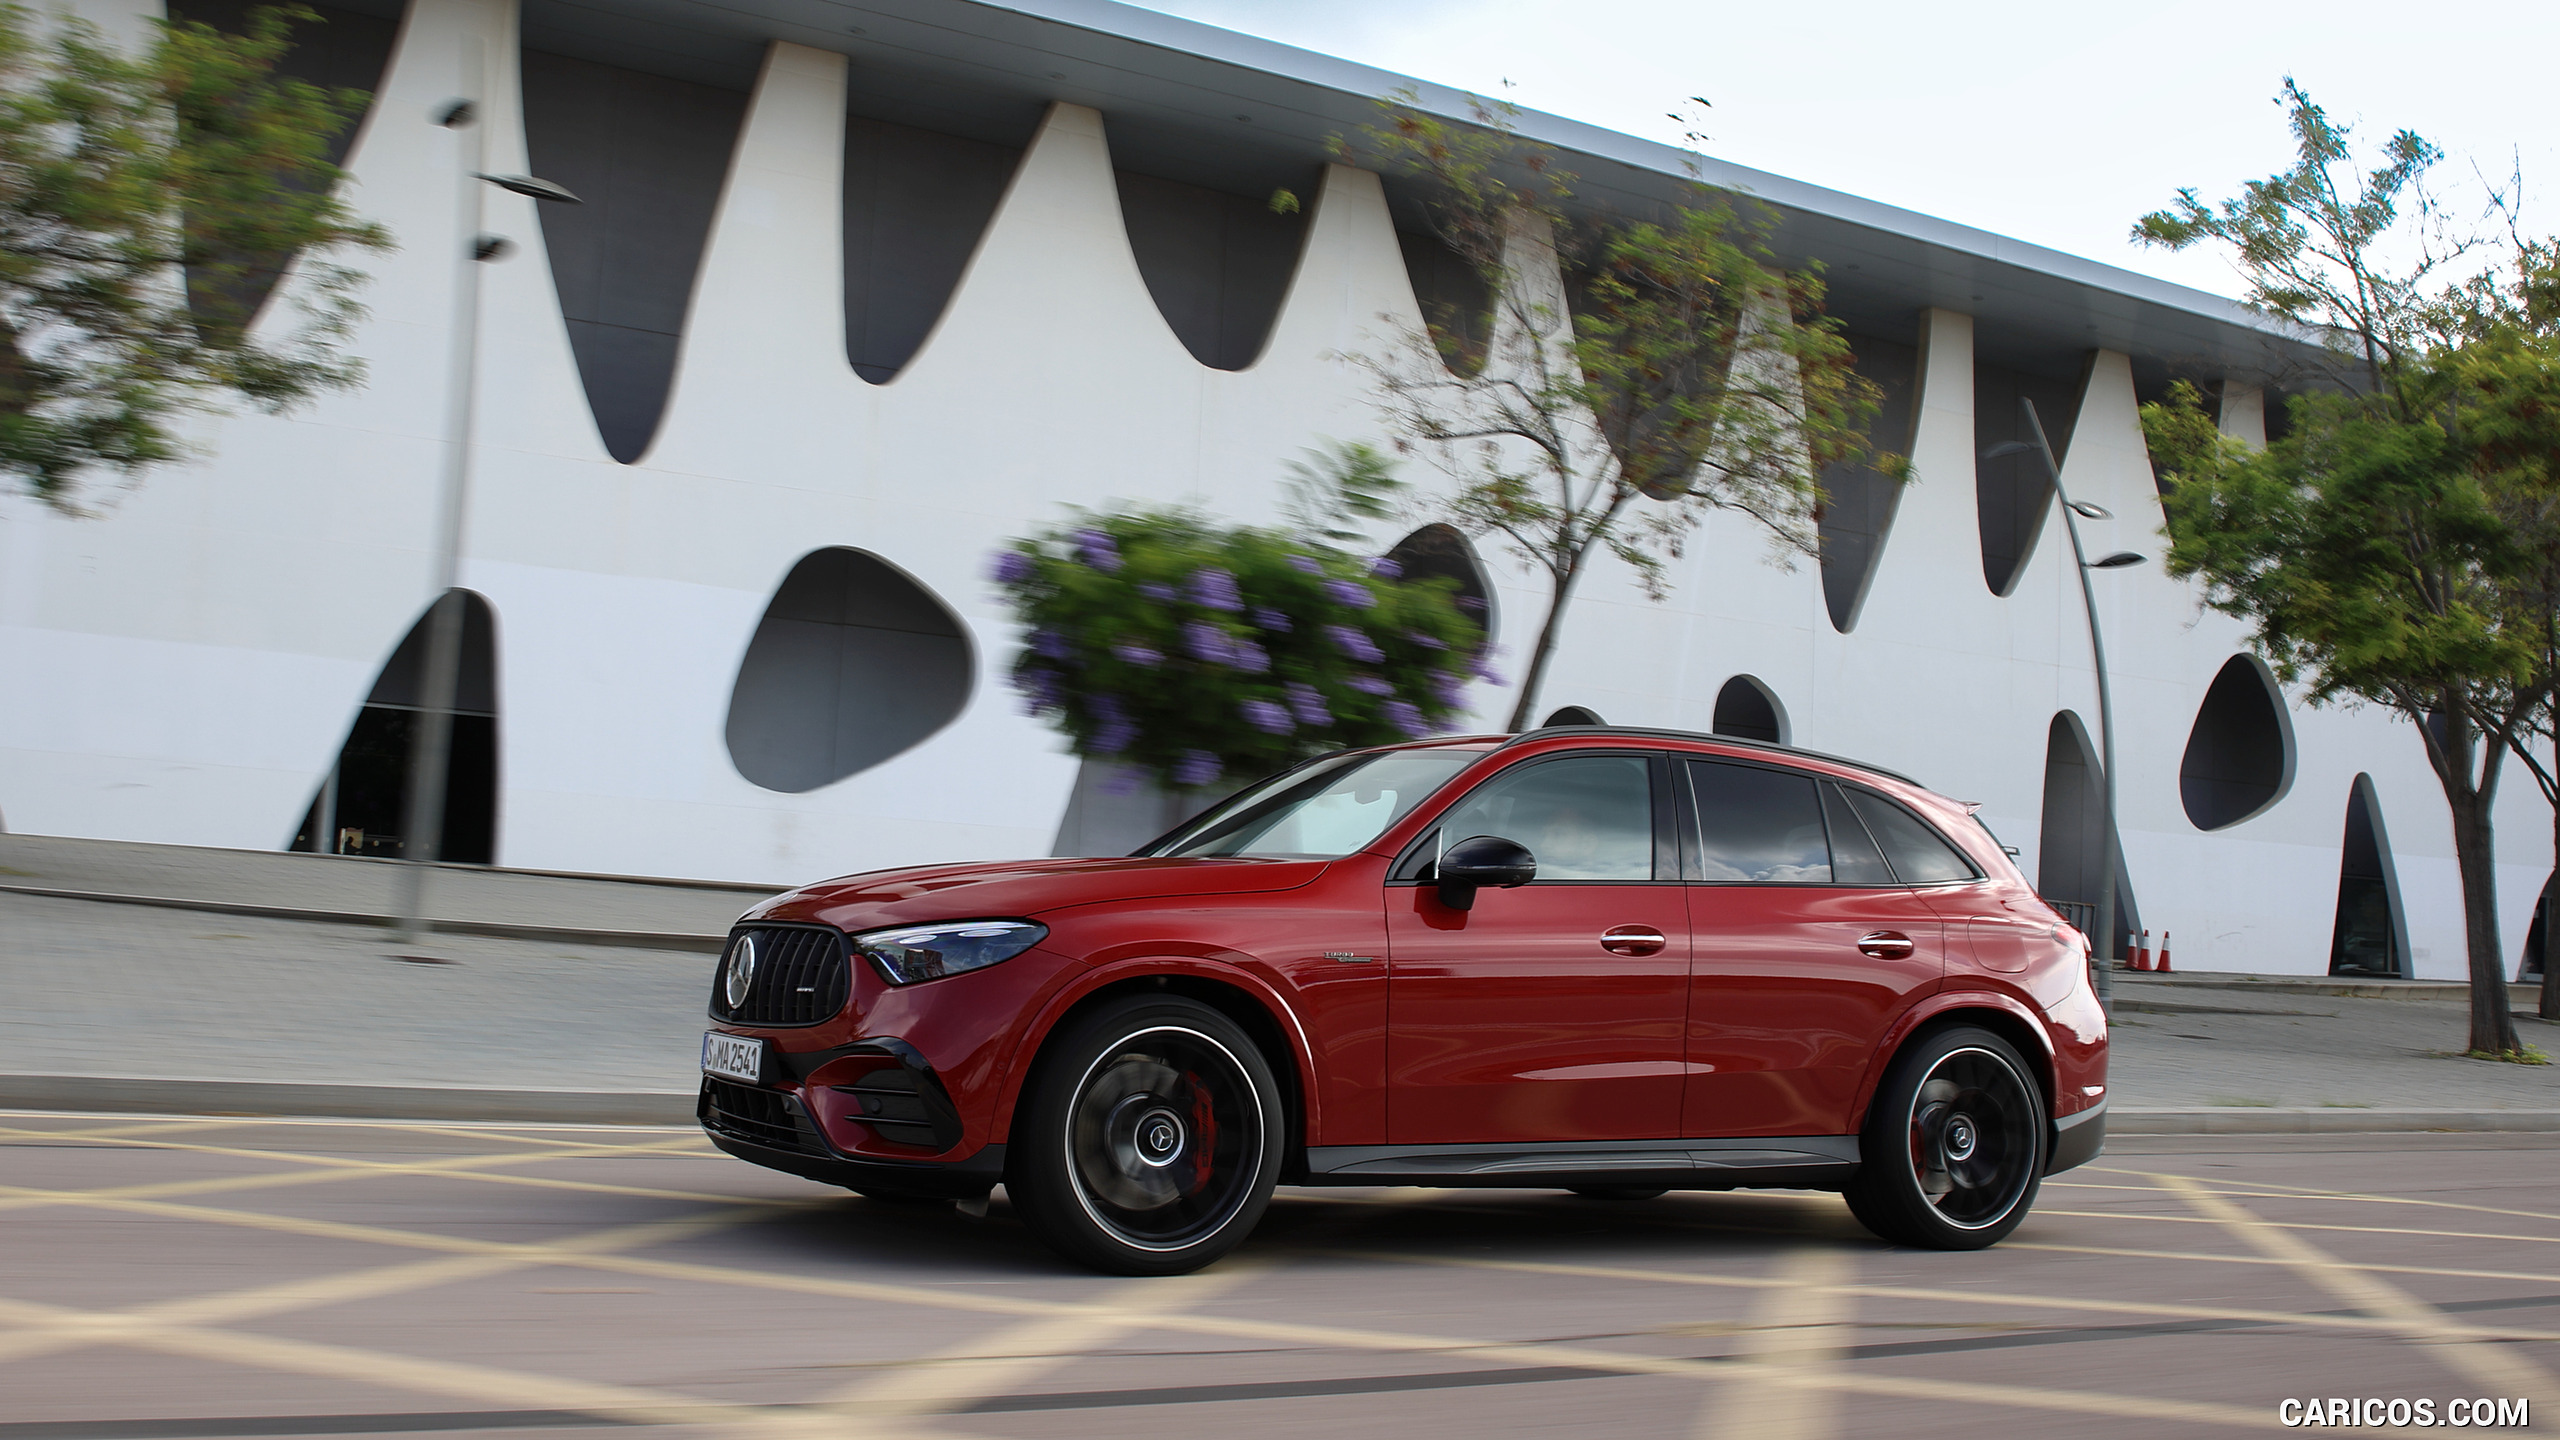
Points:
x=178, y=1278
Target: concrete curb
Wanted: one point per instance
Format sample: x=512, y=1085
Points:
x=156, y=1096
x=494, y=929
x=177, y=1096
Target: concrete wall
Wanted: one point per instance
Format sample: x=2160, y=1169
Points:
x=183, y=668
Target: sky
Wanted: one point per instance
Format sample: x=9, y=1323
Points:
x=2053, y=122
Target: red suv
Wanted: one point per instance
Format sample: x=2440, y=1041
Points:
x=1612, y=961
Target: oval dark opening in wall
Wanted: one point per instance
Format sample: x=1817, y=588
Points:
x=1439, y=552
x=853, y=663
x=916, y=204
x=336, y=49
x=646, y=154
x=1858, y=499
x=2371, y=936
x=2072, y=840
x=2239, y=754
x=1457, y=305
x=1217, y=264
x=1745, y=709
x=2010, y=492
x=1572, y=715
x=359, y=808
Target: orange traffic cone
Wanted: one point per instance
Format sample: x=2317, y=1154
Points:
x=2163, y=965
x=2142, y=950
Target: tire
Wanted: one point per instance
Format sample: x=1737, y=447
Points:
x=1619, y=1192
x=1954, y=1145
x=1148, y=1138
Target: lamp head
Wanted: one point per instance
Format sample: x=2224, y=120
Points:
x=2117, y=561
x=2007, y=448
x=533, y=187
x=2091, y=510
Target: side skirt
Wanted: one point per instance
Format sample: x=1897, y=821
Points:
x=1796, y=1162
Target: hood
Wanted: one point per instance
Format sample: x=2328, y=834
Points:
x=1024, y=888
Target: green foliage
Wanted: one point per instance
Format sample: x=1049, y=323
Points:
x=2364, y=548
x=131, y=185
x=1663, y=368
x=2313, y=240
x=1192, y=652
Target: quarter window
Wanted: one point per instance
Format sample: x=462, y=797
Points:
x=1855, y=860
x=1919, y=854
x=1758, y=826
x=1587, y=817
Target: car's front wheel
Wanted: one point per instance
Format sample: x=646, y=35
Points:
x=1148, y=1138
x=1954, y=1144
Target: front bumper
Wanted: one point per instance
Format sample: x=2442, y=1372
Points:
x=771, y=1128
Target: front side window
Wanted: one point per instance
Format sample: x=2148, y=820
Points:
x=1585, y=817
x=1758, y=826
x=1322, y=811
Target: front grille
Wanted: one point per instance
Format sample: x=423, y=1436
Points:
x=802, y=976
x=759, y=1117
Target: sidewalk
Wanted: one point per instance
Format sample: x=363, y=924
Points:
x=686, y=914
x=155, y=1007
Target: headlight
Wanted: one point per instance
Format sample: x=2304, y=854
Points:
x=929, y=952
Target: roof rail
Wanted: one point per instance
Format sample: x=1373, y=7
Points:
x=1651, y=732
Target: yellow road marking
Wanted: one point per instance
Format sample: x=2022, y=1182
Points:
x=2159, y=1219
x=328, y=1169
x=1789, y=1353
x=2525, y=1276
x=2456, y=1344
x=2009, y=1299
x=2269, y=1190
x=303, y=1293
x=486, y=1384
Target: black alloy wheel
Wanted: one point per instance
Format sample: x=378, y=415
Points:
x=1148, y=1139
x=1954, y=1146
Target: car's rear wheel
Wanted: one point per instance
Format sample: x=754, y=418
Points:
x=1148, y=1138
x=1954, y=1145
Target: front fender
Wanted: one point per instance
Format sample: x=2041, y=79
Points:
x=1235, y=972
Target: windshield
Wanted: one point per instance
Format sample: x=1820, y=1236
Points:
x=1324, y=811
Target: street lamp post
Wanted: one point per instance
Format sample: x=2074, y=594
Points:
x=423, y=805
x=2073, y=512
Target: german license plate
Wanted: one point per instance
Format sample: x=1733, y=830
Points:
x=735, y=1057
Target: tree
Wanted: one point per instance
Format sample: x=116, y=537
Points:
x=1189, y=651
x=2378, y=549
x=1638, y=373
x=146, y=202
x=2506, y=375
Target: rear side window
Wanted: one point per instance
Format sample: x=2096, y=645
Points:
x=1758, y=826
x=1855, y=860
x=1919, y=854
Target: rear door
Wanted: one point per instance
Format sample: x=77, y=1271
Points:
x=1550, y=1012
x=1806, y=946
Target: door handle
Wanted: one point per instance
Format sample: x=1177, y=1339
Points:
x=1632, y=940
x=1885, y=945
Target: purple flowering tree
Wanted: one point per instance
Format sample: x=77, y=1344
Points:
x=1198, y=654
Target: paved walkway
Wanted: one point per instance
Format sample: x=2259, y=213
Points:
x=340, y=885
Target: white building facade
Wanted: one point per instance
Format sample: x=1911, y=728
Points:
x=861, y=291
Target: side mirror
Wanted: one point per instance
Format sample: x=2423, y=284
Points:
x=1479, y=861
